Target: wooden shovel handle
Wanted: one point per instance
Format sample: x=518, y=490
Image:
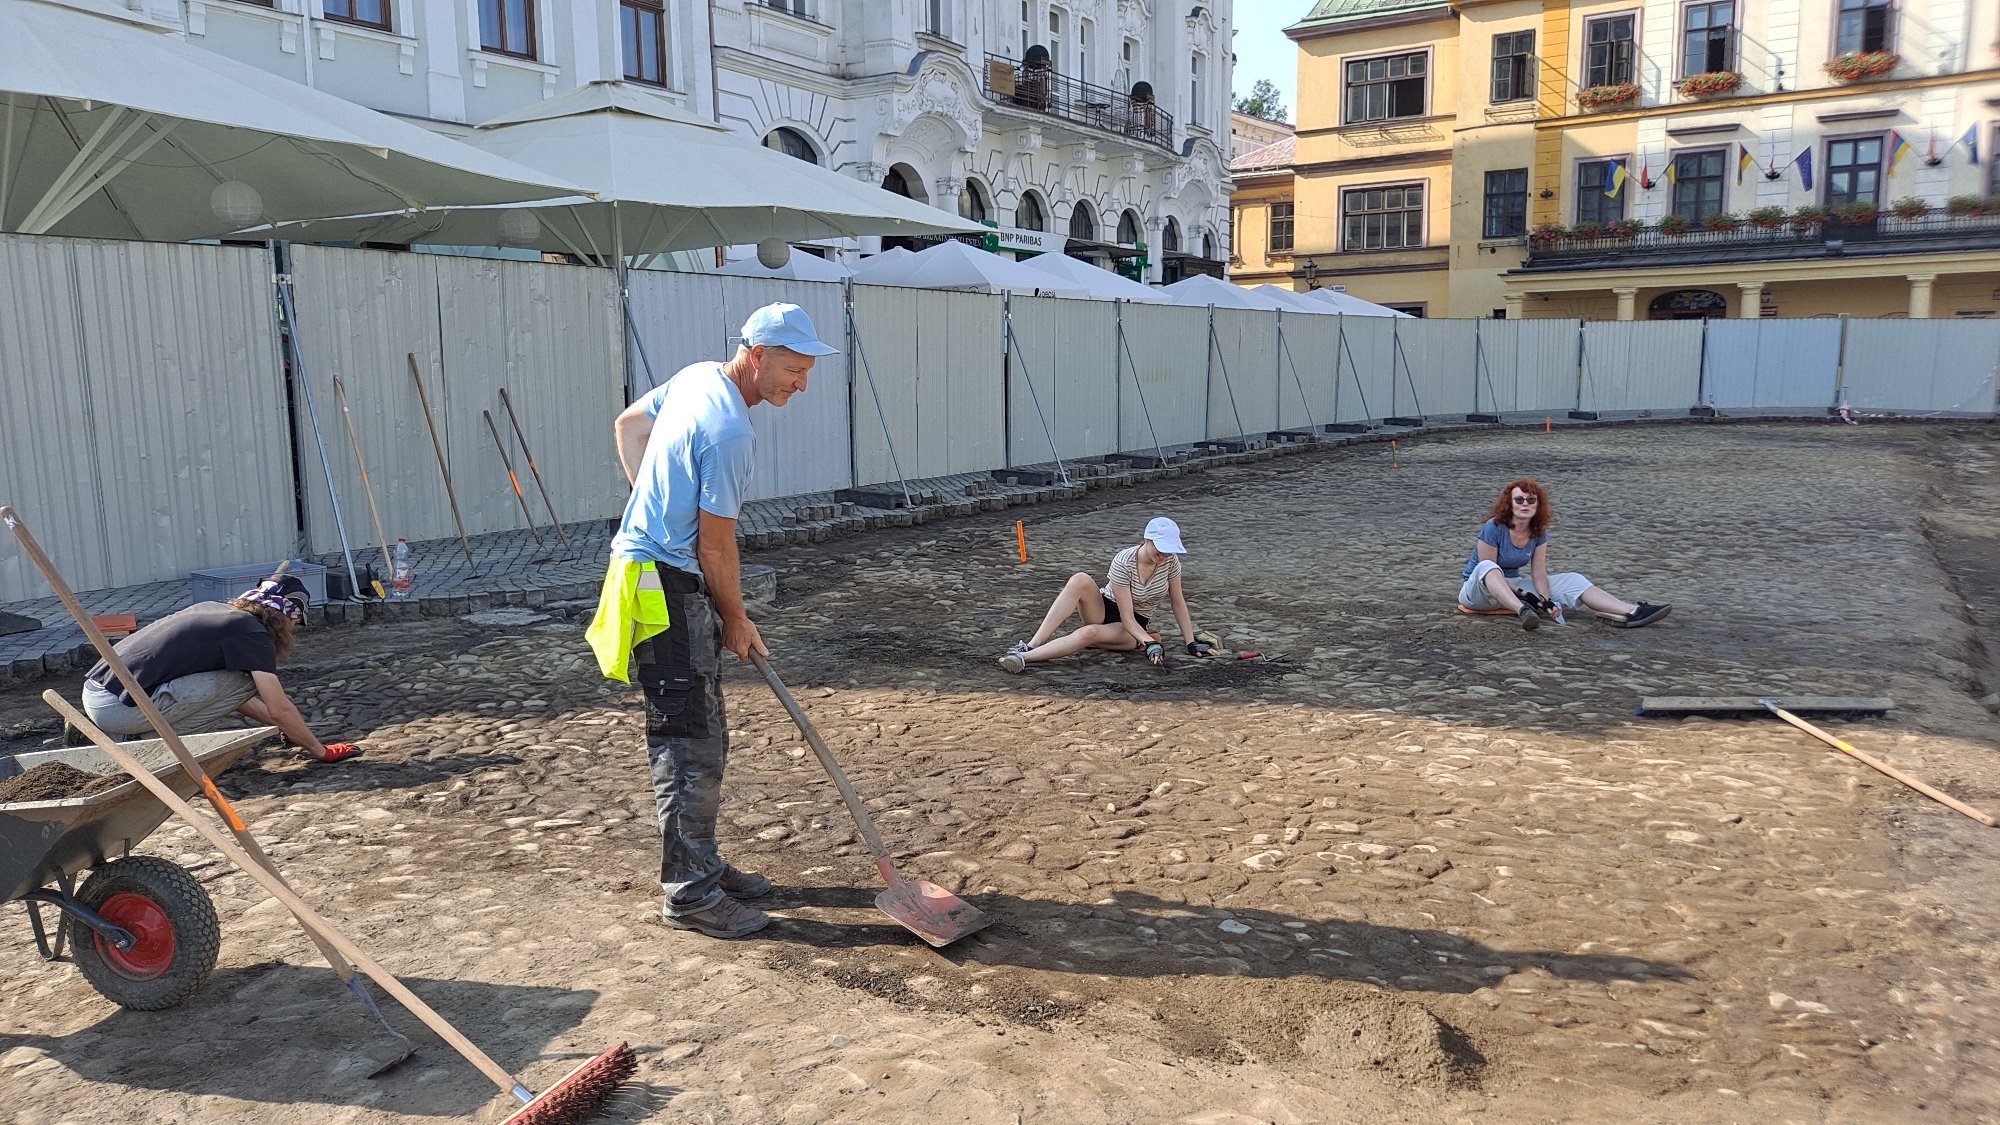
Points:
x=1877, y=764
x=319, y=927
x=833, y=769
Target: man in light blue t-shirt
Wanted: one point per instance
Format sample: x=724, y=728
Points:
x=686, y=450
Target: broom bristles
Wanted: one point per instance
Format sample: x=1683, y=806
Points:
x=578, y=1097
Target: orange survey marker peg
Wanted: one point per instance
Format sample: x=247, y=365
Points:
x=1549, y=424
x=1021, y=539
x=1395, y=455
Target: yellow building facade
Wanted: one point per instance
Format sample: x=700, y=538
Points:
x=1262, y=215
x=1659, y=159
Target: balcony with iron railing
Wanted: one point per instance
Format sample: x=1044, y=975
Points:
x=1812, y=234
x=1039, y=89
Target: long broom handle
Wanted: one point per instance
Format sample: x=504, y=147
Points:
x=443, y=467
x=833, y=769
x=146, y=705
x=1877, y=764
x=320, y=929
x=508, y=464
x=367, y=489
x=533, y=471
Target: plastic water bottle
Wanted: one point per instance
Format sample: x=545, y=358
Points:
x=400, y=586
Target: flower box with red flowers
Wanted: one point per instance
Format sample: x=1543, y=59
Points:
x=1604, y=97
x=1711, y=84
x=1857, y=66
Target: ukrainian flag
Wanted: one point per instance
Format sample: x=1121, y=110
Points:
x=1616, y=180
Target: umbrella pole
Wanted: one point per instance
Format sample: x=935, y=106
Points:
x=284, y=253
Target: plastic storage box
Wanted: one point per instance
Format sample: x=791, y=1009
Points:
x=221, y=583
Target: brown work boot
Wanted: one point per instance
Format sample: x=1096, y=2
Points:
x=744, y=884
x=726, y=919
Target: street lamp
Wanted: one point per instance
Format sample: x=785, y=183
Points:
x=1312, y=274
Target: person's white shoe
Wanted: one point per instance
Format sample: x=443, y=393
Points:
x=1014, y=662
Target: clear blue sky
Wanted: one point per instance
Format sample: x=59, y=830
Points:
x=1262, y=51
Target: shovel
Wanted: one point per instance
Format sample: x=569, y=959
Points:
x=925, y=909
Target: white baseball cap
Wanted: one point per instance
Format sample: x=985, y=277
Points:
x=1166, y=535
x=785, y=326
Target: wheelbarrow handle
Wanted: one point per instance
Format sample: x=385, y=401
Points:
x=854, y=805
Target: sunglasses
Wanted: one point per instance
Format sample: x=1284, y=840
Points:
x=1531, y=501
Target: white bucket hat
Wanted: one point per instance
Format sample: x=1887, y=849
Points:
x=1165, y=535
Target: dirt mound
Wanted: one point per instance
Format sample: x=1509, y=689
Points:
x=55, y=781
x=1331, y=1027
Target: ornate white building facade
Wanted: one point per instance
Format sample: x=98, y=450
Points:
x=944, y=101
x=937, y=99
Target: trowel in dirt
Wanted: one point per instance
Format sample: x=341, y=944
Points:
x=925, y=909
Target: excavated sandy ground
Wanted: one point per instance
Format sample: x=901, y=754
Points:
x=1425, y=868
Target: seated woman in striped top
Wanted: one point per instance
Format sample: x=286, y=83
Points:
x=1114, y=614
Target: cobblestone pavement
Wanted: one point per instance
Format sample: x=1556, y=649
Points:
x=1409, y=866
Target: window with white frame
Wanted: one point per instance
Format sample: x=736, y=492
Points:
x=1056, y=59
x=506, y=27
x=796, y=7
x=1513, y=66
x=1387, y=88
x=792, y=143
x=1027, y=27
x=972, y=202
x=1194, y=89
x=1128, y=61
x=1389, y=217
x=1083, y=38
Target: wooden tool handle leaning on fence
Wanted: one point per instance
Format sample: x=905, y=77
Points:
x=444, y=467
x=1877, y=764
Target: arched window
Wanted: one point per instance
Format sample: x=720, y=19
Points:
x=1031, y=215
x=1170, y=236
x=1083, y=224
x=972, y=202
x=901, y=181
x=1128, y=228
x=1208, y=245
x=791, y=142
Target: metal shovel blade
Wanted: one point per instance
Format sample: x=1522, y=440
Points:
x=926, y=909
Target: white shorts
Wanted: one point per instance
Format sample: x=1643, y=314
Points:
x=1566, y=588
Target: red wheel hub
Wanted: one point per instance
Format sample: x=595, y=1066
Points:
x=152, y=952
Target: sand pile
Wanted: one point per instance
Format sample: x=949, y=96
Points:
x=56, y=781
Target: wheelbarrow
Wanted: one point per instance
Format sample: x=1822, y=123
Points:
x=139, y=929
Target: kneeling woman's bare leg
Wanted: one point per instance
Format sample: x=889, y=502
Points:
x=1080, y=595
x=1114, y=638
x=1502, y=590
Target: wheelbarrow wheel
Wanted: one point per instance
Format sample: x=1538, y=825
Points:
x=174, y=924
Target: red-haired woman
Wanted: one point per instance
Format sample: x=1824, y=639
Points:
x=1509, y=568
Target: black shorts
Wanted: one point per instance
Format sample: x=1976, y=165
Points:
x=1111, y=614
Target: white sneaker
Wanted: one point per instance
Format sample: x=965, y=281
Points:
x=1022, y=647
x=1014, y=662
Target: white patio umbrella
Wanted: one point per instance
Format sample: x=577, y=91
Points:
x=1101, y=283
x=954, y=265
x=1201, y=291
x=113, y=128
x=1350, y=304
x=801, y=266
x=664, y=180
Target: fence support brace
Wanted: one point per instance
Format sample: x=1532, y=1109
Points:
x=854, y=341
x=1124, y=357
x=284, y=255
x=1285, y=346
x=1013, y=347
x=1214, y=354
